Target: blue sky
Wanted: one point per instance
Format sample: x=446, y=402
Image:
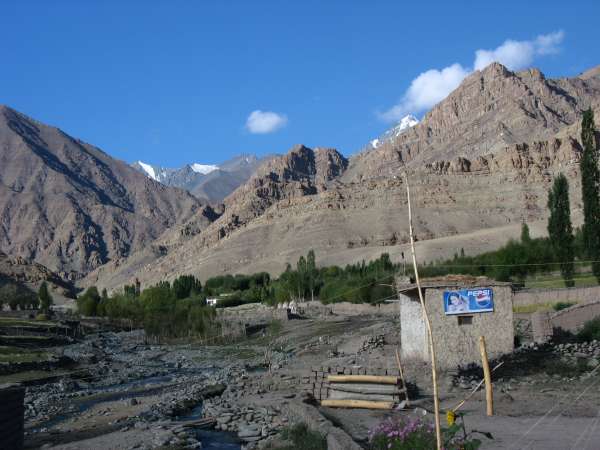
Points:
x=172, y=82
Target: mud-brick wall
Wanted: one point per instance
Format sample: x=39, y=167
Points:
x=543, y=296
x=572, y=319
x=457, y=344
x=316, y=308
x=11, y=418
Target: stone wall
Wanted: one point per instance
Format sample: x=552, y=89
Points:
x=573, y=318
x=316, y=308
x=542, y=296
x=457, y=344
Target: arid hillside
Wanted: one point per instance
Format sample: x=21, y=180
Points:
x=70, y=206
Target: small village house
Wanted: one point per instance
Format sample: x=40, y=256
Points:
x=461, y=309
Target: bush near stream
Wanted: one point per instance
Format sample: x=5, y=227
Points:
x=164, y=310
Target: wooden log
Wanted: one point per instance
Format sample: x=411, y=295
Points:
x=375, y=379
x=341, y=395
x=363, y=404
x=366, y=388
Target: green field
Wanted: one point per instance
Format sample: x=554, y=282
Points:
x=556, y=281
x=21, y=355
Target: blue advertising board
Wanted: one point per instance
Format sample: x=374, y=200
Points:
x=467, y=301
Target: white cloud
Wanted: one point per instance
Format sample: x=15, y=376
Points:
x=431, y=87
x=263, y=122
x=426, y=90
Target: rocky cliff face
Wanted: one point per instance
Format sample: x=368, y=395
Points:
x=71, y=207
x=491, y=110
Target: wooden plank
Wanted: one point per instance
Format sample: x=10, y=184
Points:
x=362, y=379
x=341, y=395
x=362, y=404
x=366, y=388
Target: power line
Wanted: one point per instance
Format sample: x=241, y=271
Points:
x=424, y=266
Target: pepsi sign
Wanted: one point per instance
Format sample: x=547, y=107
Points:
x=467, y=301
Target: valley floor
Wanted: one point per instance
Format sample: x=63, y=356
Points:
x=124, y=393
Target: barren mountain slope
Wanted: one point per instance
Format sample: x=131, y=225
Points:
x=490, y=110
x=465, y=195
x=71, y=207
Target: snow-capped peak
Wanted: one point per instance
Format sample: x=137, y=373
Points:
x=148, y=169
x=406, y=122
x=203, y=168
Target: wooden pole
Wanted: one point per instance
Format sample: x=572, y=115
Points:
x=365, y=404
x=436, y=401
x=402, y=377
x=475, y=389
x=487, y=376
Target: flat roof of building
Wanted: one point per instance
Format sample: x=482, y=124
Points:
x=454, y=281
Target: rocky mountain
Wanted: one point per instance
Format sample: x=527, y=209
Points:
x=71, y=207
x=206, y=181
x=480, y=162
x=491, y=110
x=18, y=274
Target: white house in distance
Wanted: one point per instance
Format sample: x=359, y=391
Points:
x=212, y=301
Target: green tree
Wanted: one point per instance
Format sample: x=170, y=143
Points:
x=185, y=286
x=590, y=185
x=525, y=236
x=87, y=304
x=45, y=298
x=560, y=229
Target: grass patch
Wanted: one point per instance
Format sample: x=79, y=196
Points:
x=275, y=327
x=18, y=355
x=548, y=306
x=32, y=376
x=302, y=438
x=581, y=280
x=15, y=322
x=528, y=309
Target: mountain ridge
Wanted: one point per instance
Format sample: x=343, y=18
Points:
x=71, y=207
x=491, y=176
x=209, y=182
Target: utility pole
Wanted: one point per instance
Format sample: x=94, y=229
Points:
x=436, y=401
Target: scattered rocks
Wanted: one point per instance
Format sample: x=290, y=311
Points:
x=374, y=342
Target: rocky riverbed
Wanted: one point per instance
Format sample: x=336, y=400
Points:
x=122, y=384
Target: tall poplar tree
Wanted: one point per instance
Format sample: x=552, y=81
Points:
x=45, y=298
x=560, y=228
x=590, y=185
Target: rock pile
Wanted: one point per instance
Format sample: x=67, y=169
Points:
x=581, y=349
x=251, y=424
x=374, y=342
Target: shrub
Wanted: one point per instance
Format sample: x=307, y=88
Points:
x=303, y=438
x=590, y=330
x=562, y=305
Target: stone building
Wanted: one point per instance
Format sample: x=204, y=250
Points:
x=461, y=309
